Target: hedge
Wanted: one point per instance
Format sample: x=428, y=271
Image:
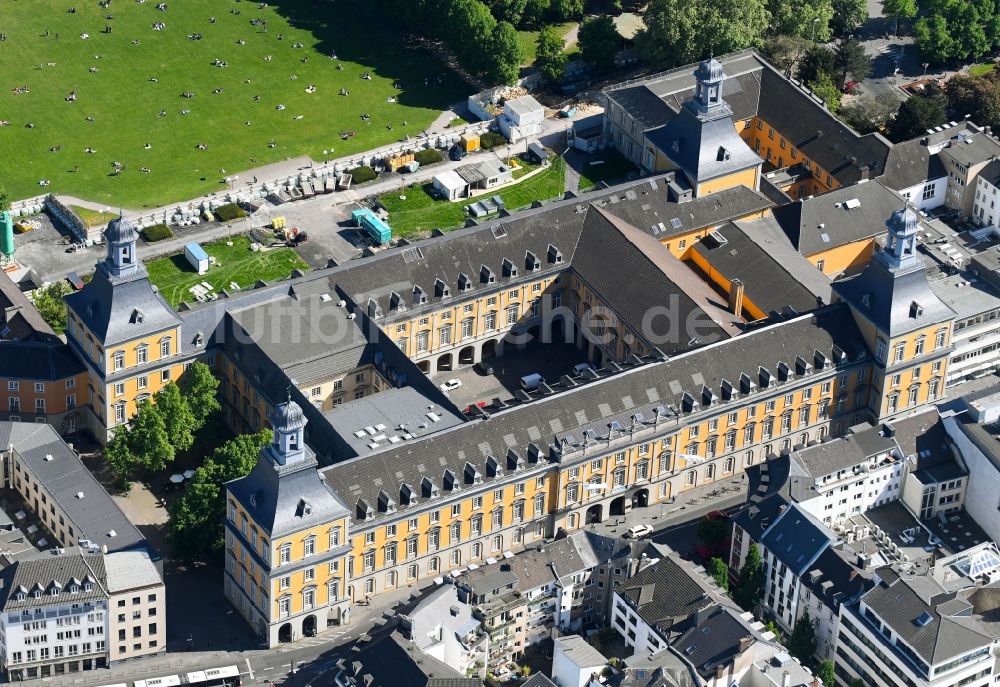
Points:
x=157, y=232
x=428, y=156
x=228, y=212
x=491, y=139
x=360, y=175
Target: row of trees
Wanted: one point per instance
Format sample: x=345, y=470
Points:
x=534, y=13
x=151, y=440
x=599, y=43
x=951, y=30
x=678, y=32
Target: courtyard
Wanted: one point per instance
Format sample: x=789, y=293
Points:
x=181, y=97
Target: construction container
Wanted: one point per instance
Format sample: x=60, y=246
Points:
x=470, y=142
x=6, y=236
x=399, y=161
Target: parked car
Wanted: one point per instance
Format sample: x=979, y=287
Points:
x=637, y=531
x=532, y=381
x=580, y=368
x=483, y=368
x=451, y=385
x=457, y=153
x=469, y=408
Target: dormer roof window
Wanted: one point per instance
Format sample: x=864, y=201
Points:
x=555, y=255
x=419, y=296
x=472, y=475
x=464, y=283
x=486, y=275
x=531, y=261
x=137, y=316
x=916, y=310
x=508, y=268
x=374, y=309
x=396, y=301
x=428, y=488
x=441, y=289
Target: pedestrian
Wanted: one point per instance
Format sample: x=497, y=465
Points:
x=255, y=179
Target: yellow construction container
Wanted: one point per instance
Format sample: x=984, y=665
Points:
x=279, y=222
x=470, y=142
x=397, y=162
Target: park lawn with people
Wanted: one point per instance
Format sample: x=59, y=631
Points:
x=421, y=211
x=262, y=82
x=174, y=276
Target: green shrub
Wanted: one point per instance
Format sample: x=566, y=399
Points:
x=360, y=175
x=428, y=156
x=229, y=212
x=157, y=232
x=491, y=139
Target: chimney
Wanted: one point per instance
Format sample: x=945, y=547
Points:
x=864, y=171
x=736, y=297
x=720, y=670
x=786, y=679
x=745, y=643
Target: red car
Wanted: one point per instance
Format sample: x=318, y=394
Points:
x=479, y=404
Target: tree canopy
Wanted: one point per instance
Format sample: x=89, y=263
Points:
x=200, y=388
x=719, y=571
x=977, y=96
x=506, y=54
x=851, y=61
x=749, y=588
x=916, y=115
x=195, y=528
x=810, y=19
x=599, y=42
x=549, y=56
x=50, y=303
x=802, y=641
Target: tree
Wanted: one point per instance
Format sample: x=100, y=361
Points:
x=905, y=9
x=671, y=34
x=179, y=421
x=802, y=641
x=506, y=54
x=850, y=59
x=508, y=10
x=599, y=42
x=806, y=18
x=50, y=303
x=549, y=56
x=750, y=584
x=467, y=18
x=118, y=453
x=848, y=15
x=4, y=199
x=826, y=673
x=148, y=438
x=977, y=96
x=784, y=52
x=816, y=60
x=824, y=87
x=773, y=628
x=730, y=26
x=719, y=571
x=916, y=115
x=867, y=113
x=534, y=12
x=200, y=389
x=195, y=527
x=565, y=10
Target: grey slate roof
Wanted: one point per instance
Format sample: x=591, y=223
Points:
x=835, y=579
x=910, y=163
x=609, y=247
x=130, y=570
x=854, y=448
x=713, y=641
x=890, y=295
x=923, y=436
x=19, y=319
x=580, y=652
x=899, y=603
x=107, y=307
x=796, y=538
x=593, y=405
x=768, y=234
x=819, y=223
x=538, y=680
x=48, y=570
x=286, y=498
x=94, y=516
x=704, y=150
x=390, y=660
x=766, y=281
x=38, y=361
x=665, y=595
x=971, y=148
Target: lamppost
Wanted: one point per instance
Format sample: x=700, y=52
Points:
x=926, y=64
x=815, y=21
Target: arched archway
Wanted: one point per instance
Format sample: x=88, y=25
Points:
x=467, y=355
x=444, y=363
x=617, y=506
x=489, y=349
x=285, y=633
x=424, y=366
x=309, y=626
x=595, y=513
x=641, y=498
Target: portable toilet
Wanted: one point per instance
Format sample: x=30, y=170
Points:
x=278, y=223
x=6, y=236
x=197, y=256
x=470, y=142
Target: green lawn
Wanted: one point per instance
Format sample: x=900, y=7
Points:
x=420, y=212
x=124, y=102
x=528, y=40
x=173, y=274
x=613, y=167
x=980, y=69
x=92, y=218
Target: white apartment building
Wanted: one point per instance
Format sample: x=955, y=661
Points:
x=914, y=630
x=53, y=615
x=838, y=479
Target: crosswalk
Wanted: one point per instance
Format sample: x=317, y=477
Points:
x=325, y=638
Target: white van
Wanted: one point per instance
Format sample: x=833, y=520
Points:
x=531, y=382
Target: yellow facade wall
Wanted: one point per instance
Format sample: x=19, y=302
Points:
x=849, y=257
x=748, y=177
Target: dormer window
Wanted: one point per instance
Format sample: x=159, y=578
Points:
x=137, y=316
x=441, y=289
x=509, y=269
x=419, y=297
x=486, y=275
x=555, y=255
x=396, y=302
x=21, y=596
x=531, y=261
x=916, y=310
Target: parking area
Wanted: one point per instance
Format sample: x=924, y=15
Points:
x=44, y=250
x=331, y=236
x=549, y=360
